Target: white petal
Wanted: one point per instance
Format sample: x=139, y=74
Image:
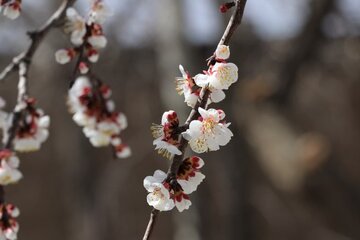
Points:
x=201, y=80
x=183, y=205
x=217, y=96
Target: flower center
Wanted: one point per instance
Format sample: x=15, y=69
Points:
x=208, y=126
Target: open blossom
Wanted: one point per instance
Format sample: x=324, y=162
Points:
x=99, y=12
x=11, y=9
x=209, y=132
x=186, y=85
x=166, y=138
x=9, y=164
x=33, y=129
x=164, y=197
x=220, y=76
x=9, y=226
x=94, y=111
x=159, y=195
x=97, y=38
x=75, y=26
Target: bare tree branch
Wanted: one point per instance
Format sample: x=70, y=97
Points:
x=22, y=63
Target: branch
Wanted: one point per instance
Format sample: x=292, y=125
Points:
x=234, y=22
x=37, y=37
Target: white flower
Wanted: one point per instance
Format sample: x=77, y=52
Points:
x=220, y=76
x=209, y=133
x=186, y=85
x=222, y=52
x=12, y=10
x=75, y=26
x=12, y=231
x=33, y=132
x=189, y=175
x=99, y=12
x=97, y=41
x=159, y=195
x=64, y=56
x=166, y=140
x=8, y=171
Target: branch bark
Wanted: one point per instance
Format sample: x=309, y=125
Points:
x=233, y=24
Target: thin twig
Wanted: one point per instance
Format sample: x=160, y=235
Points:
x=234, y=22
x=22, y=63
x=36, y=37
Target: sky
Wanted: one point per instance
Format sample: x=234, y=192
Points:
x=270, y=19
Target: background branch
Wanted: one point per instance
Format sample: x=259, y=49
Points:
x=37, y=36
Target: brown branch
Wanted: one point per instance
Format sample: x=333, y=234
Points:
x=150, y=226
x=234, y=22
x=37, y=37
x=22, y=63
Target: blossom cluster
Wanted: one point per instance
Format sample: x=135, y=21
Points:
x=9, y=226
x=164, y=197
x=94, y=111
x=10, y=8
x=206, y=133
x=86, y=35
x=89, y=98
x=32, y=128
x=25, y=134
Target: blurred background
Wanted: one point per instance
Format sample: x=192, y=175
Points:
x=292, y=170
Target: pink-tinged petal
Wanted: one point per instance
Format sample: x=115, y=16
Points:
x=204, y=114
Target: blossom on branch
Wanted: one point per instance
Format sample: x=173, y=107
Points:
x=164, y=195
x=75, y=26
x=94, y=111
x=9, y=227
x=10, y=8
x=159, y=195
x=9, y=164
x=99, y=12
x=186, y=85
x=32, y=128
x=209, y=132
x=166, y=137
